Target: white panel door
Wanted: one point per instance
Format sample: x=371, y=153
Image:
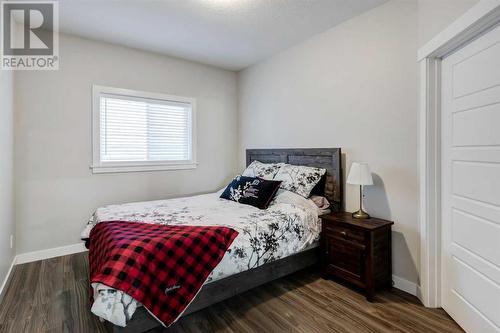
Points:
x=470, y=172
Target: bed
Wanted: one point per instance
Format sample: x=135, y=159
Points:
x=294, y=235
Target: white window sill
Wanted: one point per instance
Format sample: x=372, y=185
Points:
x=142, y=168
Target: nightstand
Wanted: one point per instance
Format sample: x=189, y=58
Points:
x=357, y=251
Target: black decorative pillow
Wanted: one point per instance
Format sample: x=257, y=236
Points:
x=252, y=191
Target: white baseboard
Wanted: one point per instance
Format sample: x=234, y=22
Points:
x=405, y=285
x=49, y=253
x=4, y=283
x=419, y=294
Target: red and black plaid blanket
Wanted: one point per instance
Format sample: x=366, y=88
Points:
x=163, y=267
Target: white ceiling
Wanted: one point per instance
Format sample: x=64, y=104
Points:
x=231, y=34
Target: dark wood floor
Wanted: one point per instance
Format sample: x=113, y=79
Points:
x=52, y=296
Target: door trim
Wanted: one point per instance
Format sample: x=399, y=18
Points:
x=475, y=22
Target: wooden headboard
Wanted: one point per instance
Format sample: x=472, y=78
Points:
x=326, y=158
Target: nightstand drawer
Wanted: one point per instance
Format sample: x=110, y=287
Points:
x=348, y=234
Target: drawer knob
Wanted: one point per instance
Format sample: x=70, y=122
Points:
x=343, y=233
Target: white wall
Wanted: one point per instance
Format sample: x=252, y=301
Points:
x=435, y=15
x=355, y=87
x=6, y=171
x=55, y=190
x=355, y=83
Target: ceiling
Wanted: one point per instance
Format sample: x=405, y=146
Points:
x=231, y=34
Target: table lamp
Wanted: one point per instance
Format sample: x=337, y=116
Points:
x=361, y=175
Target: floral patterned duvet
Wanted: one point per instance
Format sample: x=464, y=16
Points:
x=288, y=226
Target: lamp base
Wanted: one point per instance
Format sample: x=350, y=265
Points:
x=360, y=214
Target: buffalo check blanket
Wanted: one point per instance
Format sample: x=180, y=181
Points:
x=163, y=267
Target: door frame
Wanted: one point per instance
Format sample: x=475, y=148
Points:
x=480, y=18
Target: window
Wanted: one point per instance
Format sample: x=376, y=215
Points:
x=140, y=131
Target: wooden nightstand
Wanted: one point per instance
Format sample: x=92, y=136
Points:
x=357, y=251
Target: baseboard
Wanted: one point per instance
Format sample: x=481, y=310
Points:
x=405, y=285
x=419, y=294
x=49, y=253
x=7, y=278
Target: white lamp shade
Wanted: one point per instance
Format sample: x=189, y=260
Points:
x=360, y=174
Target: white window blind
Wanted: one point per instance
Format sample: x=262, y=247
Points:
x=140, y=131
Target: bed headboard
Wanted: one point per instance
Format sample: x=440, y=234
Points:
x=327, y=158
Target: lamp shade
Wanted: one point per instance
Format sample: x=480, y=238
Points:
x=360, y=174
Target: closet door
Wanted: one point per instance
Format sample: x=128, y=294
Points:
x=470, y=171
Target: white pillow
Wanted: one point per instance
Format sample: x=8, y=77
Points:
x=262, y=170
x=320, y=201
x=322, y=204
x=287, y=197
x=299, y=179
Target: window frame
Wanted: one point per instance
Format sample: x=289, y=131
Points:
x=99, y=166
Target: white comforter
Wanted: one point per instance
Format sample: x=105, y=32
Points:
x=288, y=226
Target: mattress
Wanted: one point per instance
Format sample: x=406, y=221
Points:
x=290, y=225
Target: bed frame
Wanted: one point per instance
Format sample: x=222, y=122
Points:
x=330, y=187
